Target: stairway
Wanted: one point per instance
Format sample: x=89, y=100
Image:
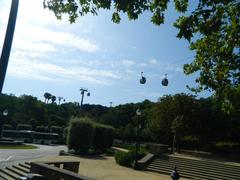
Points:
x=15, y=171
x=195, y=169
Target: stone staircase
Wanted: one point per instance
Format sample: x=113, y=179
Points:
x=15, y=171
x=195, y=168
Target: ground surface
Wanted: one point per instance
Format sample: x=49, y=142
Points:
x=13, y=156
x=105, y=168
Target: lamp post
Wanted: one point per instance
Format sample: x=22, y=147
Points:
x=82, y=93
x=4, y=113
x=8, y=42
x=138, y=113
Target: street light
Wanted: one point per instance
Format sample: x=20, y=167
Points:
x=6, y=48
x=138, y=113
x=5, y=113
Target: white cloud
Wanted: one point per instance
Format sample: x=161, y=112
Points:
x=30, y=47
x=142, y=64
x=128, y=63
x=24, y=66
x=152, y=61
x=39, y=34
x=38, y=30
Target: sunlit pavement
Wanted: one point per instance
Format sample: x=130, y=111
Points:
x=12, y=156
x=105, y=168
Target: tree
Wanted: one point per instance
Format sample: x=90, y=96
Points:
x=47, y=96
x=214, y=24
x=53, y=99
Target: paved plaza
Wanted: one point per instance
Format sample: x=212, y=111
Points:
x=105, y=168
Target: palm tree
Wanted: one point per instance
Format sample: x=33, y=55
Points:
x=47, y=96
x=53, y=98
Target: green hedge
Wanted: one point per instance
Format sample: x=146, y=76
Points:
x=225, y=147
x=127, y=158
x=80, y=134
x=124, y=158
x=84, y=133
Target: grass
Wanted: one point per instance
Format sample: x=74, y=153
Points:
x=18, y=147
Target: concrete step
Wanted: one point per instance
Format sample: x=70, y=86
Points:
x=204, y=163
x=190, y=168
x=16, y=171
x=9, y=173
x=190, y=174
x=23, y=169
x=212, y=169
x=186, y=175
x=28, y=163
x=4, y=176
x=195, y=163
x=24, y=165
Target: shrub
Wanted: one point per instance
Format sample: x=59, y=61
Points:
x=124, y=158
x=103, y=137
x=80, y=134
x=225, y=147
x=140, y=154
x=110, y=136
x=100, y=138
x=65, y=134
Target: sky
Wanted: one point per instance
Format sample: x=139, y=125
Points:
x=49, y=55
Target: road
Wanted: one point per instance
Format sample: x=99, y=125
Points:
x=12, y=156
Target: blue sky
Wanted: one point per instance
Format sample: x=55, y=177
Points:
x=53, y=56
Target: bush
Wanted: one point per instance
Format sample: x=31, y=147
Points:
x=127, y=158
x=103, y=137
x=80, y=134
x=141, y=152
x=110, y=136
x=225, y=147
x=100, y=138
x=124, y=158
x=65, y=134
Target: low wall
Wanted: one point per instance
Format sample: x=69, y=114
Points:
x=142, y=163
x=52, y=170
x=158, y=148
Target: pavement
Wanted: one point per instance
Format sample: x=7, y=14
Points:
x=13, y=156
x=97, y=167
x=105, y=168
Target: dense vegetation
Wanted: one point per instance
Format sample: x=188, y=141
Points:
x=196, y=123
